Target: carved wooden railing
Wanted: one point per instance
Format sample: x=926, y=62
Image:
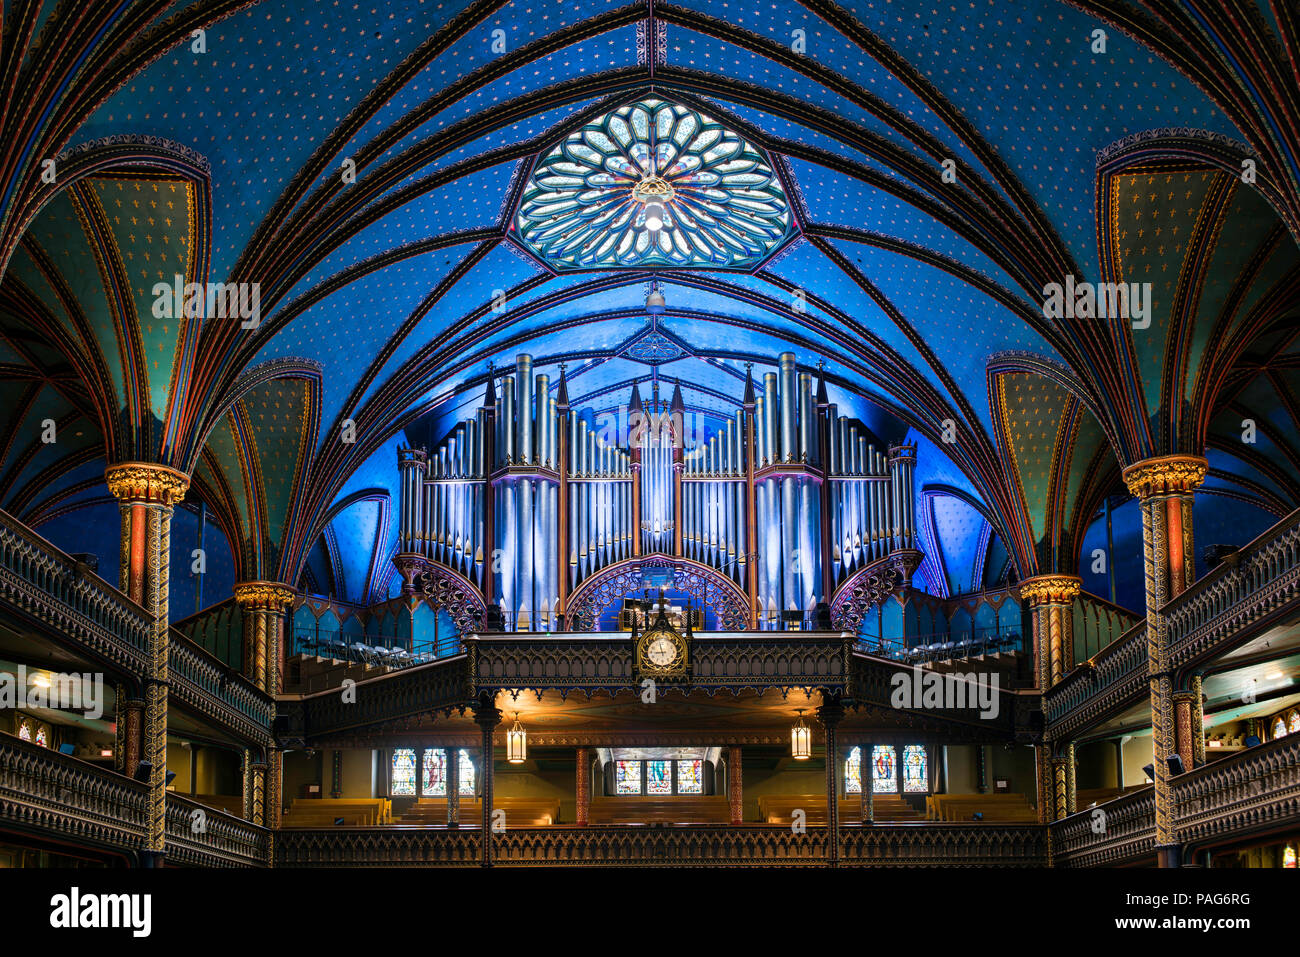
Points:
x=207, y=686
x=1254, y=790
x=54, y=590
x=719, y=661
x=205, y=836
x=1116, y=832
x=752, y=845
x=1118, y=675
x=372, y=704
x=65, y=798
x=875, y=680
x=1254, y=589
x=1247, y=593
x=77, y=607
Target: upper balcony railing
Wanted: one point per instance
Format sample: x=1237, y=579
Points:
x=1254, y=588
x=1249, y=590
x=75, y=605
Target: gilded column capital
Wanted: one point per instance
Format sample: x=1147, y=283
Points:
x=263, y=594
x=1167, y=474
x=146, y=482
x=1048, y=589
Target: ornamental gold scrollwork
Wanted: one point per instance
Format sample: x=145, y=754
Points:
x=146, y=482
x=1050, y=589
x=264, y=594
x=1169, y=474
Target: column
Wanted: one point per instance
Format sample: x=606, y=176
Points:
x=255, y=789
x=1071, y=783
x=146, y=494
x=453, y=786
x=1051, y=599
x=582, y=787
x=830, y=714
x=1060, y=786
x=130, y=722
x=868, y=792
x=1183, y=730
x=735, y=785
x=1046, y=788
x=1164, y=488
x=487, y=717
x=1119, y=762
x=1198, y=722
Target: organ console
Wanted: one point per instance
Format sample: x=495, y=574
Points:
x=529, y=499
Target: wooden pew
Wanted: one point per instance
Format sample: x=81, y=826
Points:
x=520, y=811
x=680, y=809
x=1003, y=808
x=886, y=808
x=322, y=812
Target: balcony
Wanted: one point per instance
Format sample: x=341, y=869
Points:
x=1252, y=792
x=52, y=795
x=1255, y=589
x=69, y=604
x=205, y=836
x=1122, y=831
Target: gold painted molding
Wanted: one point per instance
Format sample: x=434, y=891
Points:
x=1050, y=588
x=1165, y=475
x=146, y=482
x=264, y=594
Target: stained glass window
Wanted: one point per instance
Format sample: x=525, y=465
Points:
x=403, y=779
x=25, y=729
x=717, y=199
x=1293, y=726
x=915, y=776
x=884, y=769
x=466, y=775
x=690, y=777
x=435, y=772
x=42, y=737
x=1279, y=729
x=853, y=772
x=1288, y=856
x=658, y=777
x=627, y=777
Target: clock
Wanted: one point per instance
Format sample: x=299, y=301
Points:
x=660, y=652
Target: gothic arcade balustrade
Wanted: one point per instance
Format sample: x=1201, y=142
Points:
x=683, y=845
x=721, y=660
x=1252, y=590
x=74, y=606
x=1117, y=676
x=1116, y=832
x=63, y=797
x=54, y=590
x=1252, y=791
x=206, y=686
x=205, y=836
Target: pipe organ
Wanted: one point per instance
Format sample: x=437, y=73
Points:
x=529, y=500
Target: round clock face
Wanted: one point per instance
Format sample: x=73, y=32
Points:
x=661, y=651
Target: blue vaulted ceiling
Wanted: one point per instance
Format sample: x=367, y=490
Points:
x=396, y=287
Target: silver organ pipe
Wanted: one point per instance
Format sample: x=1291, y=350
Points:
x=870, y=494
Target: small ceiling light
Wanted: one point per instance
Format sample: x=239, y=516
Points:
x=654, y=216
x=40, y=680
x=801, y=739
x=517, y=743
